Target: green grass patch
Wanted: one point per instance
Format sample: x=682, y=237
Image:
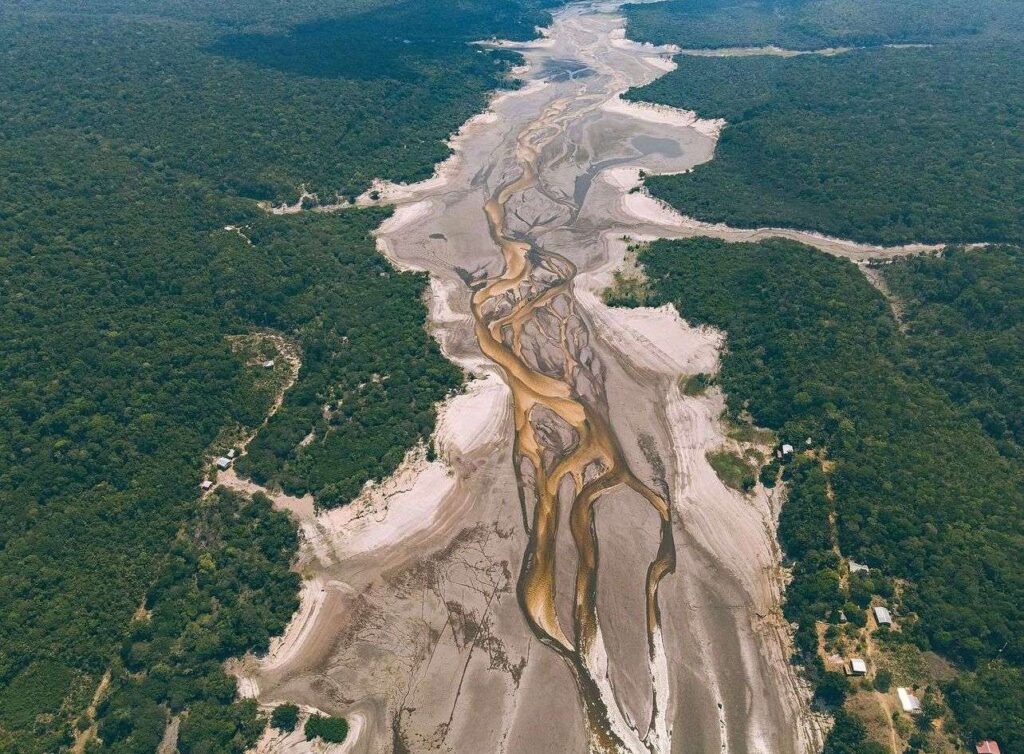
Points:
x=733, y=469
x=696, y=384
x=37, y=690
x=744, y=432
x=626, y=290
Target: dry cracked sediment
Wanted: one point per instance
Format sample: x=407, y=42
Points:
x=570, y=574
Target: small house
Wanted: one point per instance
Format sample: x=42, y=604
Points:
x=223, y=463
x=910, y=703
x=882, y=616
x=205, y=485
x=268, y=364
x=232, y=453
x=785, y=451
x=987, y=747
x=858, y=666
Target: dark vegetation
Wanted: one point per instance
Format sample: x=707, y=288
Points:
x=285, y=717
x=326, y=101
x=130, y=137
x=967, y=314
x=333, y=730
x=366, y=354
x=990, y=704
x=880, y=145
x=817, y=24
x=224, y=588
x=921, y=490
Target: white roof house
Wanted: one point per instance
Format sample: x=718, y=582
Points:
x=787, y=449
x=882, y=616
x=908, y=701
x=232, y=453
x=223, y=463
x=268, y=364
x=858, y=666
x=205, y=485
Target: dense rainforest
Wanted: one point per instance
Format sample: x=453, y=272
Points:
x=908, y=131
x=880, y=144
x=134, y=143
x=967, y=313
x=816, y=24
x=916, y=481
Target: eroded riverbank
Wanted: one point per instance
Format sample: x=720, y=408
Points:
x=570, y=574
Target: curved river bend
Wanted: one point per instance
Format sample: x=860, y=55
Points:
x=573, y=577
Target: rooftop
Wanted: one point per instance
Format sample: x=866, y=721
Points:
x=908, y=701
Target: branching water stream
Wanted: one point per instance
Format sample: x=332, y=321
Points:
x=571, y=575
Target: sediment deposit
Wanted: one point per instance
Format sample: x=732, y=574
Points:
x=568, y=574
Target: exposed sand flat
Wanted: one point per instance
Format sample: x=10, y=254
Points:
x=386, y=514
x=283, y=648
x=770, y=50
x=300, y=506
x=665, y=222
x=669, y=116
x=409, y=501
x=461, y=608
x=780, y=52
x=617, y=38
x=667, y=344
x=662, y=64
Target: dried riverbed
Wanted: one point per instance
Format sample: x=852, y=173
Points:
x=570, y=574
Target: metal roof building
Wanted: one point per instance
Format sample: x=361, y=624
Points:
x=908, y=701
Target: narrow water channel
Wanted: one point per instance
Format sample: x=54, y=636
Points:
x=580, y=580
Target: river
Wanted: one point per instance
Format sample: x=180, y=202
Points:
x=570, y=575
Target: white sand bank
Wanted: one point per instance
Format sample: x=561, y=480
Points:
x=767, y=50
x=665, y=115
x=662, y=64
x=411, y=500
x=285, y=647
x=655, y=338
